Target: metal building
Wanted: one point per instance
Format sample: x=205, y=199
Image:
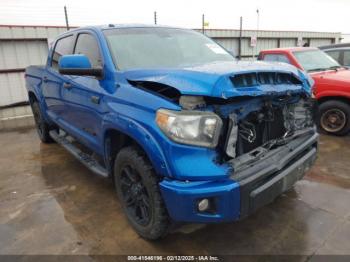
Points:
x=243, y=45
x=345, y=38
x=21, y=46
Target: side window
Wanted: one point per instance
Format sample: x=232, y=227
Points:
x=63, y=47
x=276, y=58
x=347, y=57
x=335, y=55
x=87, y=45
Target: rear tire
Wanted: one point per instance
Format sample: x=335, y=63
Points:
x=42, y=127
x=334, y=117
x=137, y=189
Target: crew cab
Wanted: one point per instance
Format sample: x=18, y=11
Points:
x=339, y=52
x=332, y=84
x=186, y=132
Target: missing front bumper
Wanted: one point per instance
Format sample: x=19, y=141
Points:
x=246, y=190
x=275, y=173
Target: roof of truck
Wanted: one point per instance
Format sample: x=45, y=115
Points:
x=113, y=26
x=290, y=49
x=335, y=46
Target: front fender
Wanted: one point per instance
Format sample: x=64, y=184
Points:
x=142, y=136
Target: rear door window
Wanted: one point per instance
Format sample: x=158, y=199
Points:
x=276, y=58
x=63, y=47
x=347, y=57
x=335, y=55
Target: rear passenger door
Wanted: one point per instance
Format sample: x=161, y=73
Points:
x=82, y=95
x=53, y=80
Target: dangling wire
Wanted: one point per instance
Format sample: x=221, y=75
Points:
x=247, y=131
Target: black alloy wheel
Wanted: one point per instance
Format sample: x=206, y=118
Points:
x=135, y=195
x=137, y=187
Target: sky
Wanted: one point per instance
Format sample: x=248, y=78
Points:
x=298, y=15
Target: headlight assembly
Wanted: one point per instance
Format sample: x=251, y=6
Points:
x=190, y=127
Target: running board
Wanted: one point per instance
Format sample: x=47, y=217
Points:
x=84, y=158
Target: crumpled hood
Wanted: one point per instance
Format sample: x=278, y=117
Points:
x=214, y=79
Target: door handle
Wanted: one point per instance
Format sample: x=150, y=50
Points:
x=95, y=99
x=45, y=80
x=67, y=85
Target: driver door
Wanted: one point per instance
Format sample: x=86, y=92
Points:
x=82, y=95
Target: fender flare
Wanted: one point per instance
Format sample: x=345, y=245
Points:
x=141, y=136
x=36, y=90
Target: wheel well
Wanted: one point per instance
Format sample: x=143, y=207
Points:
x=338, y=98
x=32, y=97
x=114, y=141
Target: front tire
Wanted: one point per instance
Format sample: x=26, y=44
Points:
x=42, y=127
x=335, y=117
x=137, y=189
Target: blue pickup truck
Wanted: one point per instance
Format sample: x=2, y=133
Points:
x=186, y=132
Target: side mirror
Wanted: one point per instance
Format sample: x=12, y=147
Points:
x=77, y=65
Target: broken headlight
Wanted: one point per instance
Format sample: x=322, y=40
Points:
x=190, y=127
x=233, y=136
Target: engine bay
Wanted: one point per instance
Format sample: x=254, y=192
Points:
x=255, y=125
x=274, y=121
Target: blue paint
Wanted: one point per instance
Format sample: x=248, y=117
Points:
x=181, y=199
x=214, y=79
x=132, y=111
x=74, y=61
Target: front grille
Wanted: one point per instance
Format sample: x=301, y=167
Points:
x=264, y=78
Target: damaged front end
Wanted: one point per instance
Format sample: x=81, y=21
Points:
x=263, y=138
x=267, y=143
x=256, y=126
x=238, y=114
x=253, y=126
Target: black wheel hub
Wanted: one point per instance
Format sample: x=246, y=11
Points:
x=135, y=196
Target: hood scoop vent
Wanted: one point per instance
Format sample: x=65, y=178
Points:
x=264, y=78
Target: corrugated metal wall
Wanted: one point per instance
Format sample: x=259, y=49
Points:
x=14, y=57
x=268, y=39
x=21, y=46
x=345, y=38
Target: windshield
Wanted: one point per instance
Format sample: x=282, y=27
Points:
x=315, y=60
x=133, y=48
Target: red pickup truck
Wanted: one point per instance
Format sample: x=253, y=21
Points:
x=332, y=83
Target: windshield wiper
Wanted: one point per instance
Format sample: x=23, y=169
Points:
x=317, y=69
x=335, y=67
x=325, y=68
